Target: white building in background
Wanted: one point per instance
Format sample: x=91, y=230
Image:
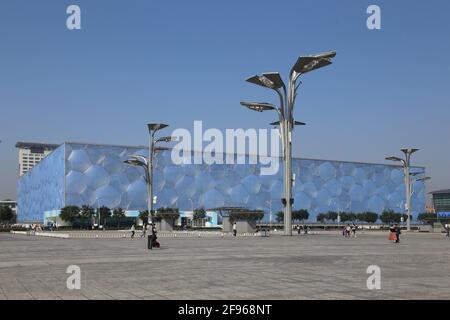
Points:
x=30, y=154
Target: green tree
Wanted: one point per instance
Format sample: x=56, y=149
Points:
x=143, y=215
x=300, y=215
x=167, y=210
x=361, y=216
x=369, y=217
x=331, y=215
x=118, y=213
x=87, y=212
x=105, y=212
x=70, y=213
x=344, y=217
x=6, y=213
x=352, y=217
x=321, y=217
x=280, y=216
x=389, y=216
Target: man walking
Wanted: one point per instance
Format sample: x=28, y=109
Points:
x=152, y=238
x=234, y=229
x=397, y=233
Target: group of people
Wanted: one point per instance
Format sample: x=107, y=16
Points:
x=349, y=231
x=303, y=228
x=152, y=238
x=31, y=230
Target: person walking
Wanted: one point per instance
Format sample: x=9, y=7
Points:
x=234, y=229
x=152, y=238
x=132, y=231
x=397, y=233
x=354, y=227
x=144, y=230
x=447, y=229
x=392, y=236
x=348, y=231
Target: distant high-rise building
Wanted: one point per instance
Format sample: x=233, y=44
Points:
x=31, y=153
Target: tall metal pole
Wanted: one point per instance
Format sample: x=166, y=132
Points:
x=288, y=179
x=99, y=213
x=150, y=176
x=408, y=190
x=273, y=81
x=288, y=120
x=407, y=176
x=270, y=215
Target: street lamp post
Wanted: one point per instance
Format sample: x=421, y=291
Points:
x=269, y=205
x=406, y=162
x=423, y=179
x=285, y=112
x=147, y=162
x=98, y=211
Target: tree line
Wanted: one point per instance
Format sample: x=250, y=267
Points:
x=297, y=215
x=72, y=213
x=387, y=216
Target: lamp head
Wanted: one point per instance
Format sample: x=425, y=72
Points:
x=409, y=150
x=139, y=158
x=275, y=79
x=258, y=106
x=156, y=126
x=394, y=159
x=167, y=139
x=134, y=162
x=306, y=64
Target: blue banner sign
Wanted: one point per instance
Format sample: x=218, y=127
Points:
x=444, y=214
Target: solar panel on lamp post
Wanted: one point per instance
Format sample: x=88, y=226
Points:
x=406, y=163
x=286, y=123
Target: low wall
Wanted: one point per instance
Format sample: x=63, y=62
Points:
x=43, y=234
x=127, y=234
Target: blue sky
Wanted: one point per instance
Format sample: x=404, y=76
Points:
x=178, y=61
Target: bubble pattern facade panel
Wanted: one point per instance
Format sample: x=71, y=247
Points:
x=42, y=188
x=96, y=175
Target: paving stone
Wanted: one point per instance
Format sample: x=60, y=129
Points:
x=323, y=266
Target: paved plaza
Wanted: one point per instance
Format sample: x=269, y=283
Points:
x=321, y=266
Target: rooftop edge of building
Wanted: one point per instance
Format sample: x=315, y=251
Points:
x=30, y=145
x=145, y=147
x=440, y=191
x=238, y=154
